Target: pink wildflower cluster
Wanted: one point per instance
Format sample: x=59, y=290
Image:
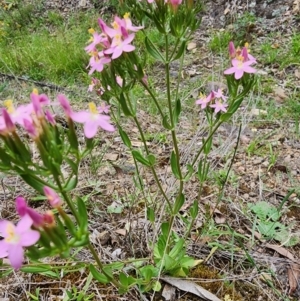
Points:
x=241, y=61
x=31, y=116
x=215, y=99
x=111, y=42
x=16, y=237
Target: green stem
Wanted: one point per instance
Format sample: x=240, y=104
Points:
x=100, y=265
x=152, y=168
x=205, y=142
x=154, y=98
x=174, y=138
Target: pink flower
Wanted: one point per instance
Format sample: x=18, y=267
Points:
x=52, y=197
x=9, y=125
x=204, y=101
x=64, y=102
x=23, y=209
x=118, y=46
x=219, y=94
x=20, y=113
x=231, y=49
x=108, y=31
x=175, y=3
x=219, y=106
x=92, y=120
x=239, y=68
x=15, y=238
x=96, y=39
x=127, y=23
x=49, y=116
x=97, y=62
x=31, y=129
x=103, y=108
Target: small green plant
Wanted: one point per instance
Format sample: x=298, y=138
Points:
x=296, y=44
x=269, y=53
x=267, y=223
x=220, y=41
x=243, y=25
x=272, y=157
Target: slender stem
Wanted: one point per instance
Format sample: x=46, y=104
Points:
x=152, y=168
x=174, y=138
x=100, y=265
x=153, y=97
x=205, y=142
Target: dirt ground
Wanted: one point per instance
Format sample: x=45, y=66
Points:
x=252, y=180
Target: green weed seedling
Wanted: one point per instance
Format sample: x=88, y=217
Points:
x=268, y=223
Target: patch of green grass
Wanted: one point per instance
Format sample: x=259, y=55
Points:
x=219, y=41
x=55, y=57
x=269, y=53
x=50, y=48
x=242, y=27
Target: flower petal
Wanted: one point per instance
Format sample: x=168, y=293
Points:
x=16, y=256
x=81, y=117
x=24, y=224
x=29, y=238
x=3, y=249
x=90, y=128
x=3, y=227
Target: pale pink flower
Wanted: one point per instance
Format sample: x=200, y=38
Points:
x=204, y=101
x=127, y=23
x=96, y=39
x=97, y=62
x=119, y=80
x=219, y=94
x=118, y=46
x=103, y=108
x=20, y=113
x=219, y=106
x=92, y=120
x=231, y=49
x=15, y=238
x=239, y=68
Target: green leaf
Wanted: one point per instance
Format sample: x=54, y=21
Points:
x=147, y=272
x=71, y=184
x=73, y=165
x=125, y=109
x=97, y=275
x=153, y=51
x=190, y=172
x=156, y=286
x=179, y=247
x=166, y=123
x=83, y=216
x=178, y=203
x=207, y=146
x=36, y=269
x=139, y=157
x=181, y=50
x=225, y=117
x=169, y=262
x=177, y=111
x=34, y=183
x=194, y=210
x=174, y=166
x=151, y=159
x=150, y=214
x=124, y=137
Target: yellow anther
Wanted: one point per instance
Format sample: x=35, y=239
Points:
x=126, y=15
x=35, y=91
x=91, y=31
x=93, y=108
x=115, y=25
x=9, y=105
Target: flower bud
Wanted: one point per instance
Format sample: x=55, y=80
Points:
x=52, y=197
